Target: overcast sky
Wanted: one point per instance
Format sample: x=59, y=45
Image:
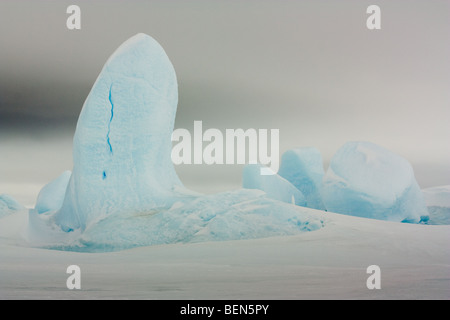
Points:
x=309, y=68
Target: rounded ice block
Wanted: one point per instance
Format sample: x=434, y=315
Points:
x=366, y=180
x=122, y=143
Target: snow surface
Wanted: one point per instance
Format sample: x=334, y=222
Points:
x=329, y=263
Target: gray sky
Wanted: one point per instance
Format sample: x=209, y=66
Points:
x=309, y=68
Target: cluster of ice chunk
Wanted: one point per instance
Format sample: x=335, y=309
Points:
x=363, y=179
x=123, y=190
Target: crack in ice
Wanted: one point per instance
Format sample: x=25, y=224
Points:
x=109, y=124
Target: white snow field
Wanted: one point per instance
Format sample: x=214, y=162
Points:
x=329, y=263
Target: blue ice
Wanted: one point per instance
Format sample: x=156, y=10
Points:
x=303, y=167
x=367, y=180
x=9, y=205
x=275, y=186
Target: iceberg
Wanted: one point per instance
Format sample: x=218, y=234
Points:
x=303, y=167
x=9, y=205
x=122, y=142
x=51, y=196
x=123, y=190
x=438, y=204
x=366, y=180
x=275, y=186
